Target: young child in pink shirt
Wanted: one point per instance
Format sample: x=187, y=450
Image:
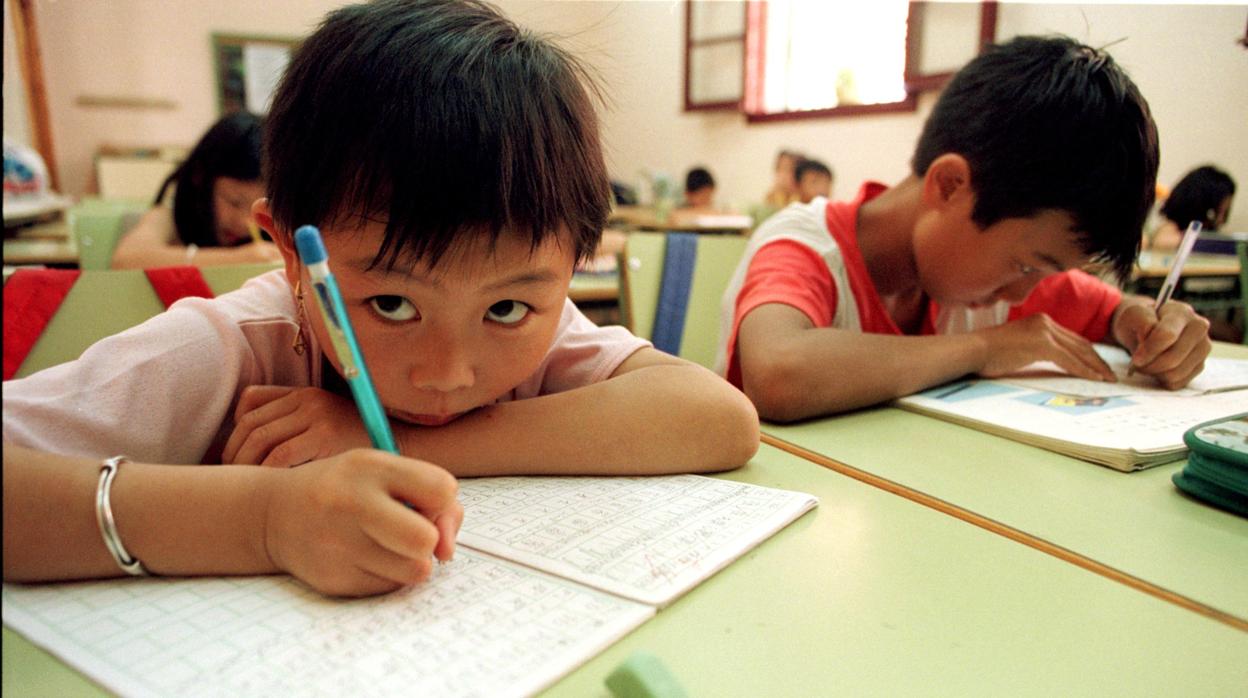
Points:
x=453, y=164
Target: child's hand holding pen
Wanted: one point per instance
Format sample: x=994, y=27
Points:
x=338, y=524
x=1170, y=343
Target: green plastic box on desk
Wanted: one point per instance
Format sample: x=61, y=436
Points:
x=1217, y=468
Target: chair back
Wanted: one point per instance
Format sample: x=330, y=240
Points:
x=671, y=285
x=99, y=224
x=102, y=303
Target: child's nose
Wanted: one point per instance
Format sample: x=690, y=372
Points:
x=446, y=369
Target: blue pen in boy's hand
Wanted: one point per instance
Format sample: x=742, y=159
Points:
x=338, y=326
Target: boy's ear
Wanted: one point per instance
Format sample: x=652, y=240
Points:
x=284, y=240
x=947, y=182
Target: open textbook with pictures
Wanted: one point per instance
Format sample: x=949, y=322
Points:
x=548, y=572
x=1128, y=425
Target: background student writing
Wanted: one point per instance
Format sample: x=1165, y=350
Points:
x=454, y=264
x=1204, y=195
x=1039, y=157
x=210, y=220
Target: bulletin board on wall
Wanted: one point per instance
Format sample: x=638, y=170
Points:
x=248, y=68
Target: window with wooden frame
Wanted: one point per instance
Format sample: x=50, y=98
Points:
x=787, y=59
x=248, y=69
x=715, y=54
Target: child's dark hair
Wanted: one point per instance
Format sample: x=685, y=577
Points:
x=1197, y=196
x=438, y=117
x=1048, y=123
x=810, y=165
x=230, y=148
x=698, y=178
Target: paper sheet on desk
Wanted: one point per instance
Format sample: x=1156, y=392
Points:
x=549, y=571
x=1219, y=375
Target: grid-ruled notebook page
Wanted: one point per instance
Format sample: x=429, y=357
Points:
x=480, y=627
x=645, y=538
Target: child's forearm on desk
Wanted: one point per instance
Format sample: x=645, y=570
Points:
x=657, y=419
x=180, y=520
x=826, y=371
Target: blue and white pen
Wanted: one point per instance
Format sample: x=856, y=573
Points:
x=329, y=300
x=1176, y=266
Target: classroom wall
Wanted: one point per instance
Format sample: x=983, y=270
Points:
x=16, y=118
x=1183, y=56
x=161, y=49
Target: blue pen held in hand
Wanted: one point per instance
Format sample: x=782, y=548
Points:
x=329, y=300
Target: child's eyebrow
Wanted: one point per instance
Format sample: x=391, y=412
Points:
x=364, y=265
x=533, y=276
x=1052, y=262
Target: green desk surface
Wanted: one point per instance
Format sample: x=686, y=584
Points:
x=594, y=287
x=872, y=594
x=1137, y=523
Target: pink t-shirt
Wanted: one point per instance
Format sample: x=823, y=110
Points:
x=165, y=391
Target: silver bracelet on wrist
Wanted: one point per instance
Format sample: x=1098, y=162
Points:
x=108, y=527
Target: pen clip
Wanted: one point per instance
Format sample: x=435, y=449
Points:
x=333, y=326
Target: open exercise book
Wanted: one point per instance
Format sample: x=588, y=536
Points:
x=1128, y=425
x=548, y=572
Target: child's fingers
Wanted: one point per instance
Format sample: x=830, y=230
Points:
x=1177, y=325
x=1183, y=379
x=1078, y=357
x=297, y=448
x=432, y=491
x=255, y=396
x=428, y=488
x=395, y=527
x=1134, y=325
x=448, y=531
x=1160, y=337
x=276, y=443
x=355, y=583
x=1183, y=361
x=245, y=422
x=393, y=567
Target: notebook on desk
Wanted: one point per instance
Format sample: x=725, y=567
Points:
x=548, y=572
x=1128, y=425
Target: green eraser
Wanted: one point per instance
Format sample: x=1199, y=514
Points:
x=643, y=675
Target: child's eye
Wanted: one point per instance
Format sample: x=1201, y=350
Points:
x=394, y=308
x=1025, y=269
x=507, y=312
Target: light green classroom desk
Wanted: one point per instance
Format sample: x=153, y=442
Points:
x=872, y=594
x=594, y=287
x=1133, y=527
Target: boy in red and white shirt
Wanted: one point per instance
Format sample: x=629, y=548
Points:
x=1040, y=157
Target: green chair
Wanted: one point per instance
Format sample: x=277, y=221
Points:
x=105, y=302
x=98, y=224
x=642, y=280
